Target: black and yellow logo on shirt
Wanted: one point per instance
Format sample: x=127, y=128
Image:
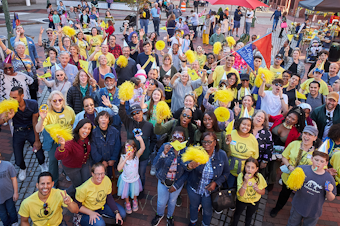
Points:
x=241, y=147
x=100, y=196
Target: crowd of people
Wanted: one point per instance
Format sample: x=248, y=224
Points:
x=274, y=129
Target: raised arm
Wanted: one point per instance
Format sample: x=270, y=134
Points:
x=40, y=36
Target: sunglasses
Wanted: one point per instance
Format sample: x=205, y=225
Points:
x=110, y=96
x=186, y=116
x=89, y=105
x=151, y=83
x=133, y=36
x=49, y=33
x=135, y=113
x=45, y=208
x=57, y=100
x=177, y=136
x=278, y=84
x=8, y=68
x=207, y=142
x=59, y=75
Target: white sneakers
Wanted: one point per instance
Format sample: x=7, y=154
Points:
x=67, y=178
x=15, y=224
x=22, y=174
x=153, y=170
x=44, y=167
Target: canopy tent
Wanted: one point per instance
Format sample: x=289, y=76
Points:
x=321, y=5
x=252, y=4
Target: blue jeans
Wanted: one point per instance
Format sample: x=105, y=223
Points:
x=295, y=219
x=275, y=24
x=53, y=164
x=107, y=211
x=142, y=169
x=195, y=201
x=231, y=181
x=144, y=23
x=248, y=24
x=19, y=138
x=156, y=22
x=8, y=213
x=165, y=197
x=300, y=39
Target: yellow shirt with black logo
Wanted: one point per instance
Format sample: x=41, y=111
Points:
x=64, y=118
x=291, y=152
x=277, y=72
x=242, y=148
x=109, y=56
x=97, y=41
x=250, y=195
x=93, y=196
x=24, y=40
x=33, y=208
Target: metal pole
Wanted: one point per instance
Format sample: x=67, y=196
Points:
x=8, y=22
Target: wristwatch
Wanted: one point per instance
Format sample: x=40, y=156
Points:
x=117, y=211
x=265, y=162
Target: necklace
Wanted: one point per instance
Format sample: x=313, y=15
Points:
x=287, y=126
x=103, y=133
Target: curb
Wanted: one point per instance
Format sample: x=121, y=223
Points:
x=24, y=23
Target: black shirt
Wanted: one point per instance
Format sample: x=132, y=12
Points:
x=24, y=118
x=293, y=68
x=196, y=115
x=291, y=96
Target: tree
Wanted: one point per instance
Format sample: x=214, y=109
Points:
x=136, y=5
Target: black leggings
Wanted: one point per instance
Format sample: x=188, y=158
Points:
x=281, y=32
x=283, y=197
x=240, y=206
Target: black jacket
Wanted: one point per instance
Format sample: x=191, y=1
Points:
x=75, y=98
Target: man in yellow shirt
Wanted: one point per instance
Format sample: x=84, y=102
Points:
x=220, y=70
x=317, y=77
x=104, y=51
x=276, y=67
x=44, y=206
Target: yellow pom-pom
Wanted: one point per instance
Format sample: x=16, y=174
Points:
x=222, y=114
x=163, y=111
x=231, y=41
x=69, y=31
x=190, y=56
x=268, y=75
x=224, y=96
x=122, y=61
x=230, y=127
x=296, y=179
x=160, y=45
x=7, y=105
x=217, y=48
x=126, y=91
x=197, y=154
x=56, y=130
x=144, y=14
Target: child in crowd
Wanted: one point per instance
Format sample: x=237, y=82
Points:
x=63, y=19
x=167, y=89
x=250, y=186
x=231, y=25
x=50, y=18
x=129, y=183
x=138, y=91
x=56, y=19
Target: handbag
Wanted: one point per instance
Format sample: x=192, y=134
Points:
x=223, y=199
x=284, y=25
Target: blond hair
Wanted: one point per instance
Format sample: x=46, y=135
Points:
x=50, y=97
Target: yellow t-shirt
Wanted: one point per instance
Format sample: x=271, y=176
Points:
x=335, y=162
x=82, y=46
x=33, y=207
x=201, y=59
x=65, y=118
x=291, y=152
x=242, y=148
x=97, y=41
x=323, y=87
x=218, y=74
x=277, y=72
x=24, y=40
x=109, y=56
x=93, y=196
x=250, y=195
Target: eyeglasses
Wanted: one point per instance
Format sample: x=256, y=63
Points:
x=49, y=33
x=177, y=136
x=167, y=59
x=45, y=208
x=59, y=75
x=57, y=100
x=99, y=174
x=278, y=58
x=89, y=105
x=278, y=84
x=135, y=113
x=186, y=116
x=151, y=83
x=85, y=148
x=133, y=36
x=8, y=68
x=207, y=142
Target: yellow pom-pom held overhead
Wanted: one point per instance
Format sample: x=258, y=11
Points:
x=69, y=31
x=190, y=56
x=296, y=179
x=56, y=130
x=222, y=114
x=217, y=48
x=231, y=41
x=196, y=154
x=125, y=92
x=7, y=105
x=163, y=111
x=160, y=45
x=230, y=127
x=122, y=61
x=268, y=75
x=224, y=96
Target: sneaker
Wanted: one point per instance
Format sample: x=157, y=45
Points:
x=218, y=212
x=135, y=205
x=179, y=201
x=155, y=221
x=153, y=170
x=280, y=182
x=44, y=167
x=232, y=209
x=67, y=178
x=170, y=221
x=22, y=174
x=128, y=208
x=192, y=224
x=15, y=224
x=274, y=212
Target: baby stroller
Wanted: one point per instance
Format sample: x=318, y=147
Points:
x=313, y=50
x=130, y=20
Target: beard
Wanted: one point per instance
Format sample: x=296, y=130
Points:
x=109, y=87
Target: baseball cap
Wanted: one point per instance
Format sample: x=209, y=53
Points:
x=135, y=107
x=109, y=75
x=305, y=106
x=334, y=96
x=311, y=130
x=328, y=32
x=279, y=55
x=319, y=70
x=244, y=77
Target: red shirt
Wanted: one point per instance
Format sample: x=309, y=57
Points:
x=293, y=133
x=116, y=51
x=77, y=64
x=74, y=155
x=109, y=31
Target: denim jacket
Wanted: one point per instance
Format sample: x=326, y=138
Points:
x=105, y=150
x=220, y=167
x=163, y=164
x=31, y=48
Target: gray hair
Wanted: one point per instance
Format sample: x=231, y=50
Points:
x=64, y=53
x=266, y=120
x=101, y=57
x=16, y=44
x=55, y=77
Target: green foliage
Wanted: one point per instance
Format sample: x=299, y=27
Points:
x=219, y=11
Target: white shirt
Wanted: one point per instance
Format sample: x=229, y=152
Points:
x=8, y=82
x=249, y=16
x=328, y=125
x=130, y=170
x=271, y=103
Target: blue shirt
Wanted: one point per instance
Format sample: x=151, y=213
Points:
x=70, y=70
x=276, y=15
x=24, y=118
x=154, y=12
x=329, y=80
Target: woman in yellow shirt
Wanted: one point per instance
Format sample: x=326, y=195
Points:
x=82, y=44
x=297, y=153
x=200, y=56
x=250, y=186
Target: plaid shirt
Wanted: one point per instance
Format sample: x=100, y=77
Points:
x=207, y=176
x=116, y=51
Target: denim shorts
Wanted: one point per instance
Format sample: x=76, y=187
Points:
x=237, y=24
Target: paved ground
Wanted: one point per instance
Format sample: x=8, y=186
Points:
x=147, y=207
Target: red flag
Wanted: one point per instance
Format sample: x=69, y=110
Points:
x=264, y=45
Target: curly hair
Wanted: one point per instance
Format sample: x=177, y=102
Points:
x=239, y=121
x=300, y=125
x=334, y=132
x=236, y=79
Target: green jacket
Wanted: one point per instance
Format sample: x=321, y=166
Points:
x=319, y=116
x=217, y=38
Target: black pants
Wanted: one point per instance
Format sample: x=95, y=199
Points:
x=283, y=197
x=240, y=206
x=281, y=32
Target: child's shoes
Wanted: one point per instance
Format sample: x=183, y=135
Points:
x=135, y=205
x=128, y=208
